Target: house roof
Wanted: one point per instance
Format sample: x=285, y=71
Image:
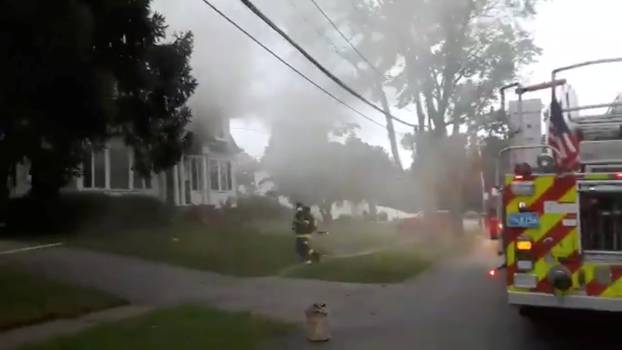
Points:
x=227, y=146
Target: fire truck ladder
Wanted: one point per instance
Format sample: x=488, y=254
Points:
x=596, y=126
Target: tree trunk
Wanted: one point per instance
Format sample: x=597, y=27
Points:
x=387, y=112
x=420, y=115
x=46, y=180
x=170, y=187
x=390, y=128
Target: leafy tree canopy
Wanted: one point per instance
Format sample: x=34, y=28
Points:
x=76, y=72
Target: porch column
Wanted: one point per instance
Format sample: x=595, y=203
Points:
x=205, y=183
x=130, y=155
x=107, y=167
x=176, y=196
x=182, y=182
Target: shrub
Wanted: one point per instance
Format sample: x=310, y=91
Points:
x=258, y=208
x=93, y=211
x=344, y=218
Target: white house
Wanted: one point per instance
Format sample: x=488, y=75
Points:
x=203, y=176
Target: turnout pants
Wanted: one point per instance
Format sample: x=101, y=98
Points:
x=302, y=247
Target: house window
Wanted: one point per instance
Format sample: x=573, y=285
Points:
x=120, y=173
x=213, y=175
x=220, y=175
x=229, y=182
x=99, y=168
x=223, y=175
x=195, y=169
x=141, y=182
x=87, y=171
x=119, y=168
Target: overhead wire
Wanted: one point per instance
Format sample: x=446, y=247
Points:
x=319, y=32
x=317, y=64
x=349, y=42
x=290, y=66
x=326, y=38
x=346, y=39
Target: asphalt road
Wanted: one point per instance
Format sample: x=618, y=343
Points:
x=456, y=305
x=459, y=306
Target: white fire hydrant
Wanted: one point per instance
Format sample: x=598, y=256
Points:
x=317, y=323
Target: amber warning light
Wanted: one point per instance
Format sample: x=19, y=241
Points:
x=523, y=245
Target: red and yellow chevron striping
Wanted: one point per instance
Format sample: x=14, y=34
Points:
x=552, y=236
x=556, y=240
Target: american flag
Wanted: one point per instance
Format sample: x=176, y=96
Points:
x=563, y=140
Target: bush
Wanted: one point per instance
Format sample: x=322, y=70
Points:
x=258, y=208
x=95, y=211
x=344, y=218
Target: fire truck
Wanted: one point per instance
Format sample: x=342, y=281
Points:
x=562, y=230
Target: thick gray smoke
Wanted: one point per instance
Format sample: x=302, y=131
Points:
x=237, y=79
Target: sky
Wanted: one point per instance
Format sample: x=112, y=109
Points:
x=247, y=83
x=574, y=31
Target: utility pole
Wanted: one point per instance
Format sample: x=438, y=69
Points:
x=390, y=128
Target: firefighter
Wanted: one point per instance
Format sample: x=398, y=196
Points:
x=304, y=226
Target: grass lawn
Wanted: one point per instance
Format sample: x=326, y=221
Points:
x=388, y=266
x=27, y=299
x=239, y=250
x=181, y=328
x=242, y=249
x=356, y=236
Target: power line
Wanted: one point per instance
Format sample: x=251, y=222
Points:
x=309, y=80
x=318, y=65
x=318, y=31
x=349, y=42
x=343, y=36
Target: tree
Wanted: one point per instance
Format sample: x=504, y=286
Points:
x=370, y=173
x=450, y=55
x=319, y=172
x=362, y=72
x=457, y=53
x=76, y=72
x=48, y=59
x=157, y=131
x=304, y=166
x=245, y=170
